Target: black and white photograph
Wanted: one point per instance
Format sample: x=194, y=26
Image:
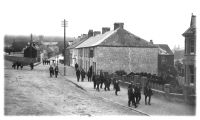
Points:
x=97, y=58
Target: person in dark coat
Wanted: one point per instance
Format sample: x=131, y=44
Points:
x=82, y=75
x=101, y=78
x=56, y=71
x=138, y=93
x=98, y=82
x=14, y=65
x=148, y=93
x=51, y=70
x=18, y=64
x=89, y=75
x=116, y=86
x=31, y=65
x=78, y=74
x=131, y=95
x=107, y=83
x=94, y=80
x=21, y=65
x=76, y=66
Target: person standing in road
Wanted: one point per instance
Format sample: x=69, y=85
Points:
x=82, y=75
x=56, y=71
x=148, y=93
x=94, y=80
x=116, y=86
x=101, y=78
x=138, y=93
x=76, y=67
x=31, y=65
x=131, y=96
x=51, y=70
x=78, y=74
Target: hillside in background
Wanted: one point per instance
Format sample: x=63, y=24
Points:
x=21, y=41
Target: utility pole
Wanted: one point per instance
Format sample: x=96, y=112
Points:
x=64, y=24
x=31, y=45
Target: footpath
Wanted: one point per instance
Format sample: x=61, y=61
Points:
x=158, y=106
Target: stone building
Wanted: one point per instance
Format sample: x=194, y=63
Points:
x=73, y=52
x=190, y=53
x=118, y=49
x=165, y=59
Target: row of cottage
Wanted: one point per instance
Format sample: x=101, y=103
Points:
x=118, y=49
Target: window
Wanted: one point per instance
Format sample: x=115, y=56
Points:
x=192, y=73
x=192, y=46
x=91, y=53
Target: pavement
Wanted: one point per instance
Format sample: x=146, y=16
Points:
x=158, y=106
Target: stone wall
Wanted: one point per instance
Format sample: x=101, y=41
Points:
x=130, y=59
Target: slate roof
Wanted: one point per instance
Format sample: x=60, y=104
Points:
x=164, y=49
x=117, y=38
x=76, y=43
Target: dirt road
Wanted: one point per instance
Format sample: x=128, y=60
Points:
x=33, y=92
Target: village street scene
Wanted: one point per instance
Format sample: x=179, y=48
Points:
x=109, y=71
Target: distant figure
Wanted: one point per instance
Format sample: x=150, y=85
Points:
x=107, y=83
x=116, y=86
x=76, y=66
x=56, y=71
x=101, y=78
x=82, y=75
x=31, y=65
x=148, y=93
x=51, y=70
x=21, y=65
x=94, y=80
x=89, y=74
x=18, y=64
x=78, y=74
x=98, y=81
x=14, y=65
x=138, y=93
x=43, y=61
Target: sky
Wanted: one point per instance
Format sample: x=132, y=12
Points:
x=162, y=21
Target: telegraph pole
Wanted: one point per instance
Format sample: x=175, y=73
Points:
x=31, y=44
x=64, y=24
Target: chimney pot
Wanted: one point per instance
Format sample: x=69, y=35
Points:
x=90, y=33
x=118, y=25
x=151, y=42
x=105, y=29
x=96, y=33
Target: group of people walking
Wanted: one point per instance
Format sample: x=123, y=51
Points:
x=80, y=73
x=134, y=94
x=53, y=71
x=46, y=62
x=134, y=90
x=17, y=65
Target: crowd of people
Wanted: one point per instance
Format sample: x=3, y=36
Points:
x=17, y=65
x=103, y=79
x=46, y=62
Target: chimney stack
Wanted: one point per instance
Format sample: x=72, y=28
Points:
x=96, y=33
x=151, y=42
x=90, y=33
x=105, y=29
x=193, y=21
x=118, y=25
